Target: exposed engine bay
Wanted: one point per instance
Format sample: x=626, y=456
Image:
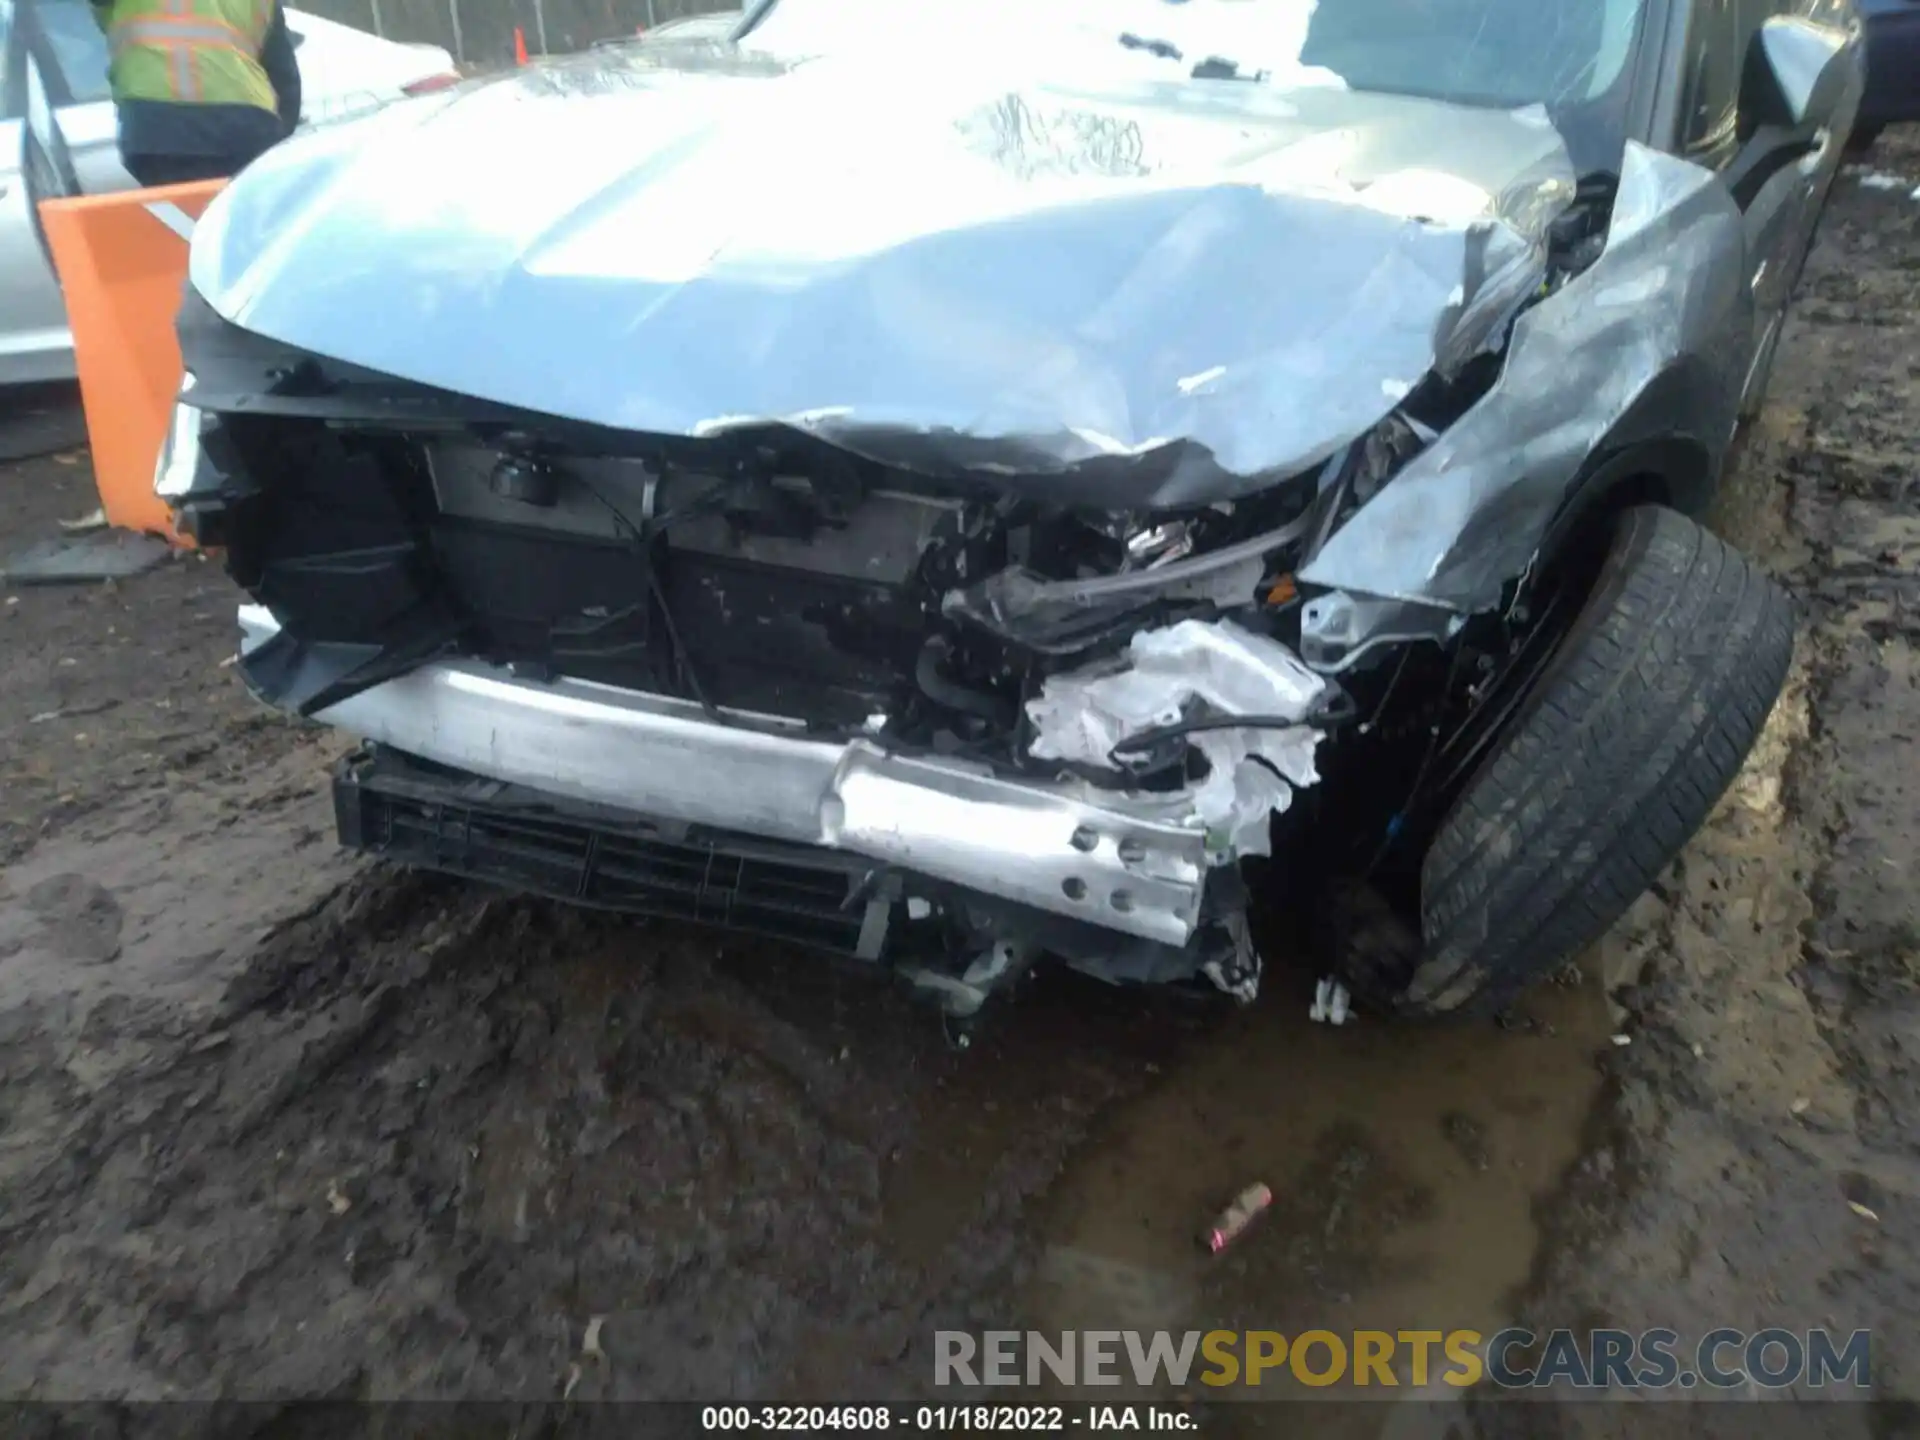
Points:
x=709, y=587
x=1144, y=669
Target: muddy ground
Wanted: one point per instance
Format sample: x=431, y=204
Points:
x=274, y=1122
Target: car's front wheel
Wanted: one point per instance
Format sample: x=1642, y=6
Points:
x=1646, y=712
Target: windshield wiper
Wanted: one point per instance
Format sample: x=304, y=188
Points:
x=1162, y=48
x=1212, y=68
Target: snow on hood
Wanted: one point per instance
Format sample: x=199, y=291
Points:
x=959, y=268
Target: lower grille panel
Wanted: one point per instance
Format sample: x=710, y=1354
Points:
x=434, y=819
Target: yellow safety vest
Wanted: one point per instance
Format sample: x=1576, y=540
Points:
x=194, y=51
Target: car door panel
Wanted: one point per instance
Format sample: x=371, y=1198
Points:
x=58, y=146
x=1719, y=36
x=1823, y=168
x=1782, y=210
x=1785, y=212
x=33, y=321
x=34, y=340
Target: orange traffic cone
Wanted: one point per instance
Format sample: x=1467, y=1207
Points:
x=519, y=46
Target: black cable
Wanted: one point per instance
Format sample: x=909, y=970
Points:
x=679, y=646
x=1271, y=768
x=1386, y=697
x=1397, y=822
x=1337, y=710
x=643, y=543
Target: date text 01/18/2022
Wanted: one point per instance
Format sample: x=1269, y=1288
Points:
x=944, y=1419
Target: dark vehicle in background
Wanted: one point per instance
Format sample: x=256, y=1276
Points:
x=968, y=486
x=1893, y=67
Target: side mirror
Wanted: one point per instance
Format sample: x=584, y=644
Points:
x=1796, y=75
x=1795, y=86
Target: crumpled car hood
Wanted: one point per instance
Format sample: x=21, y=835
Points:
x=960, y=269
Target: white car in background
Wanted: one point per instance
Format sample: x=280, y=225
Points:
x=58, y=136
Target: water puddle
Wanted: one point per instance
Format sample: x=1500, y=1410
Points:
x=1405, y=1163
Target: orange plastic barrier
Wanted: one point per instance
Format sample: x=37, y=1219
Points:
x=122, y=261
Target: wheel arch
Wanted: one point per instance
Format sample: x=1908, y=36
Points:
x=1678, y=472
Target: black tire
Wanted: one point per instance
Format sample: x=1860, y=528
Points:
x=1862, y=139
x=1646, y=713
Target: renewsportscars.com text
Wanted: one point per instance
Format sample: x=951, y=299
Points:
x=1513, y=1359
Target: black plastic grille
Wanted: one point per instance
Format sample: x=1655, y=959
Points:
x=440, y=822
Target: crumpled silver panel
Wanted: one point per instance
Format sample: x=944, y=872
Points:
x=1666, y=304
x=1133, y=863
x=1196, y=670
x=1131, y=291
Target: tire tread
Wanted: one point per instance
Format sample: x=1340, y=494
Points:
x=1651, y=706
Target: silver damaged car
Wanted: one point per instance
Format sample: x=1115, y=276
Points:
x=973, y=485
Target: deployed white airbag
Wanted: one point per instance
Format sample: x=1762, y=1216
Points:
x=1195, y=670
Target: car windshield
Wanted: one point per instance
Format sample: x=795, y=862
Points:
x=1565, y=54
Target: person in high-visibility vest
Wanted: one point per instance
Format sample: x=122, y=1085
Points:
x=203, y=87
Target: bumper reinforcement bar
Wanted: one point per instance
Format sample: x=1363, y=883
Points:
x=1130, y=863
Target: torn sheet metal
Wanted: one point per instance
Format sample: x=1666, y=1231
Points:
x=1651, y=340
x=1102, y=286
x=1194, y=670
